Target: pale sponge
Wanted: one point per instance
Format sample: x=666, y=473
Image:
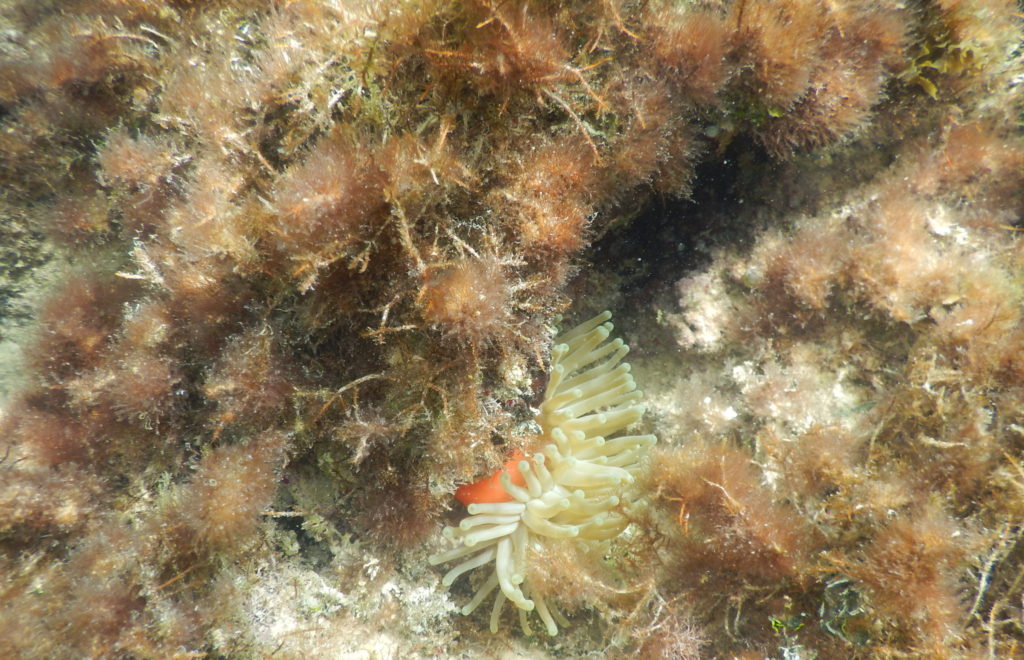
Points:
x=573, y=487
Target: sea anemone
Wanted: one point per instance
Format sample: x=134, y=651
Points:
x=571, y=488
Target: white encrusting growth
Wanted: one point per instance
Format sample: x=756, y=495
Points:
x=573, y=486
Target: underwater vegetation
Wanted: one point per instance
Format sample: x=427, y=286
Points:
x=283, y=277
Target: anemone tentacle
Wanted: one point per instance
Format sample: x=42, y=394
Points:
x=572, y=487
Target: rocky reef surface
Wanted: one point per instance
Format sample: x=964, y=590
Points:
x=277, y=277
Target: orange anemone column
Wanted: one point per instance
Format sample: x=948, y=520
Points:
x=489, y=489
